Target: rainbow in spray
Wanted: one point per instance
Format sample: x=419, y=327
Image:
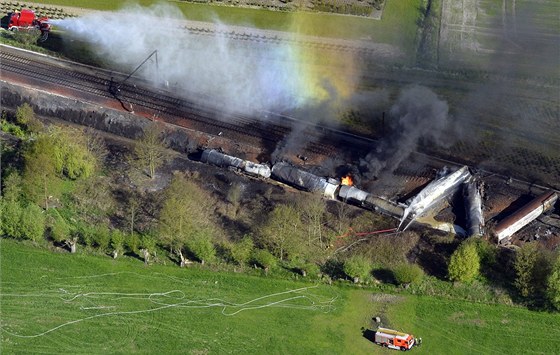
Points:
x=321, y=74
x=243, y=76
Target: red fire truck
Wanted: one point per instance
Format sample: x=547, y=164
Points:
x=395, y=340
x=26, y=20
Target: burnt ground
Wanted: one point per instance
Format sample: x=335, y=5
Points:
x=414, y=173
x=501, y=195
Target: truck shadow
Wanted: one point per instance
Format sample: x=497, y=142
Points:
x=369, y=335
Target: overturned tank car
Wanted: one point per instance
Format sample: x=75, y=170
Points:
x=435, y=192
x=364, y=199
x=473, y=208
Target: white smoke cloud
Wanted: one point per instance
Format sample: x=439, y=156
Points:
x=240, y=77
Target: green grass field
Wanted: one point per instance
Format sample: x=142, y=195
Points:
x=61, y=303
x=398, y=25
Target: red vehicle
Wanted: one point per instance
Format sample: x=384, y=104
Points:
x=395, y=340
x=26, y=20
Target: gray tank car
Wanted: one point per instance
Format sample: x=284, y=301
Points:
x=214, y=157
x=473, y=208
x=364, y=199
x=291, y=175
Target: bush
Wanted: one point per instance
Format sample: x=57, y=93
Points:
x=32, y=223
x=26, y=117
x=525, y=262
x=358, y=267
x=11, y=216
x=26, y=37
x=407, y=273
x=264, y=259
x=60, y=230
x=117, y=242
x=12, y=129
x=241, y=251
x=464, y=265
x=487, y=253
x=553, y=285
x=202, y=248
x=86, y=234
x=311, y=269
x=102, y=237
x=132, y=242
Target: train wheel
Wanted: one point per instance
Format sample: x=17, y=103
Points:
x=403, y=348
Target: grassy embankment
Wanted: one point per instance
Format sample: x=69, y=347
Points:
x=172, y=310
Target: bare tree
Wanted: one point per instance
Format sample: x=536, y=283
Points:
x=149, y=151
x=184, y=214
x=282, y=232
x=313, y=211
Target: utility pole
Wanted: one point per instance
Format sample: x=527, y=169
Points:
x=115, y=88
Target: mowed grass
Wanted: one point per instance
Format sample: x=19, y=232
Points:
x=100, y=305
x=397, y=26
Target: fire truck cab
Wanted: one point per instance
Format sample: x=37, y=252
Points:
x=23, y=18
x=394, y=339
x=26, y=20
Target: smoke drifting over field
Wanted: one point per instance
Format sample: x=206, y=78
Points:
x=237, y=75
x=417, y=115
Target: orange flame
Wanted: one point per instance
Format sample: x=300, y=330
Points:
x=347, y=180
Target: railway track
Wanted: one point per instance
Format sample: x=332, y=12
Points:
x=175, y=110
x=178, y=111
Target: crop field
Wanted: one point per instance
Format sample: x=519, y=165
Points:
x=484, y=31
x=53, y=302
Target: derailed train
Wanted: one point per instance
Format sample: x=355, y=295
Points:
x=328, y=187
x=448, y=184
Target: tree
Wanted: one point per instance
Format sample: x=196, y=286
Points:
x=553, y=285
x=61, y=231
x=132, y=242
x=11, y=217
x=525, y=261
x=464, y=265
x=313, y=208
x=117, y=242
x=39, y=175
x=358, y=267
x=12, y=187
x=132, y=210
x=282, y=232
x=1, y=213
x=184, y=213
x=102, y=236
x=234, y=196
x=200, y=245
x=406, y=273
x=72, y=155
x=241, y=251
x=32, y=223
x=147, y=245
x=26, y=117
x=264, y=258
x=92, y=198
x=487, y=253
x=149, y=149
x=343, y=215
